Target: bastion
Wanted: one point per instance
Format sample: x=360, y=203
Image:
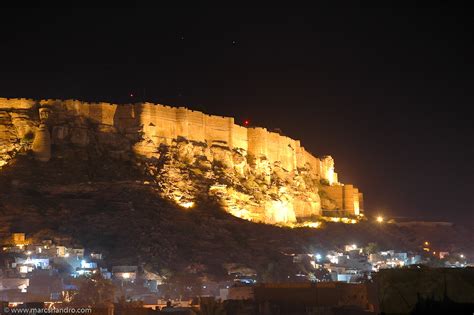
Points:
x=51, y=120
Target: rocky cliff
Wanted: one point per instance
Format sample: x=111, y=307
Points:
x=254, y=174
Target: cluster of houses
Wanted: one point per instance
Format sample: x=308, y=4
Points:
x=43, y=270
x=353, y=264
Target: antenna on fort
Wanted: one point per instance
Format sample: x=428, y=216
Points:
x=131, y=98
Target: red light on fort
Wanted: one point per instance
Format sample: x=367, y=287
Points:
x=246, y=122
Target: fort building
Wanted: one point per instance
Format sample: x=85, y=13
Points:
x=50, y=122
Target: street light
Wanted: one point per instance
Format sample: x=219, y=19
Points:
x=380, y=219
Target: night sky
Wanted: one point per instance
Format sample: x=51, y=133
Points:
x=386, y=91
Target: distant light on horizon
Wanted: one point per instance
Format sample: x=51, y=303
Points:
x=380, y=219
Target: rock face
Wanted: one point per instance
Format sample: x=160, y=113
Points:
x=254, y=174
x=253, y=190
x=16, y=134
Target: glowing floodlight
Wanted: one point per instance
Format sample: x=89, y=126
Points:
x=126, y=275
x=187, y=205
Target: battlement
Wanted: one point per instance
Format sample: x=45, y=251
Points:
x=162, y=124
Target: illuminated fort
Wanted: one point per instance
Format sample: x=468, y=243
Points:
x=271, y=177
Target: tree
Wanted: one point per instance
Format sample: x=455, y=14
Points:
x=372, y=248
x=269, y=273
x=123, y=303
x=211, y=307
x=182, y=285
x=94, y=291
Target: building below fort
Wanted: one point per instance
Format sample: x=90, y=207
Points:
x=255, y=174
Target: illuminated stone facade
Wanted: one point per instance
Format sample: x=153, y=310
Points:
x=271, y=161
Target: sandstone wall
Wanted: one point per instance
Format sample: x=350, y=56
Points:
x=355, y=198
x=349, y=202
x=289, y=152
x=163, y=124
x=239, y=137
x=144, y=127
x=361, y=202
x=42, y=144
x=16, y=103
x=274, y=147
x=306, y=158
x=196, y=122
x=327, y=169
x=346, y=197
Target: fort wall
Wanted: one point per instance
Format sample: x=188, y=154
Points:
x=17, y=103
x=163, y=124
x=346, y=197
x=361, y=202
x=239, y=137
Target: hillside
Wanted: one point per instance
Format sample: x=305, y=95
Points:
x=111, y=206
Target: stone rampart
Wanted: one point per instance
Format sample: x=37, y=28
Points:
x=163, y=124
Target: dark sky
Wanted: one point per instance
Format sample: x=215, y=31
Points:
x=386, y=91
